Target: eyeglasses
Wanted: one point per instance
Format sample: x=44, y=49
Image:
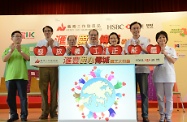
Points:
x=18, y=36
x=47, y=31
x=93, y=34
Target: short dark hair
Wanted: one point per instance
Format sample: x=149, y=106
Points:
x=12, y=34
x=93, y=30
x=73, y=36
x=135, y=23
x=48, y=27
x=114, y=33
x=162, y=33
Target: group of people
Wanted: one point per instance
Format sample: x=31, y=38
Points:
x=16, y=77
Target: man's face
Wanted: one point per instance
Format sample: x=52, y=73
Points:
x=47, y=32
x=135, y=30
x=72, y=41
x=93, y=37
x=17, y=38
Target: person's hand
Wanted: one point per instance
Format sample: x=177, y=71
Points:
x=135, y=42
x=12, y=47
x=50, y=42
x=138, y=42
x=18, y=47
x=68, y=50
x=163, y=50
x=86, y=45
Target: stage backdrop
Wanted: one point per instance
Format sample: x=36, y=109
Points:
x=174, y=23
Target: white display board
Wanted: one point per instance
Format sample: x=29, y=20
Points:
x=48, y=61
x=97, y=93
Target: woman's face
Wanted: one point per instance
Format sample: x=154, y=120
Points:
x=162, y=40
x=113, y=39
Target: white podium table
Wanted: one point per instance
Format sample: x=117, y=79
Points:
x=97, y=88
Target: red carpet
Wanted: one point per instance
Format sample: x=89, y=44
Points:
x=35, y=102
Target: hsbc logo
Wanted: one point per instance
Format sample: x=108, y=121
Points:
x=115, y=27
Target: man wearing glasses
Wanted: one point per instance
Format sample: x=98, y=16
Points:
x=16, y=76
x=93, y=40
x=48, y=75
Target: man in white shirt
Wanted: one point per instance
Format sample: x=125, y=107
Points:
x=142, y=72
x=93, y=40
x=48, y=75
x=72, y=41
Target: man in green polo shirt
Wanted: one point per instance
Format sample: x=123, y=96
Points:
x=16, y=76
